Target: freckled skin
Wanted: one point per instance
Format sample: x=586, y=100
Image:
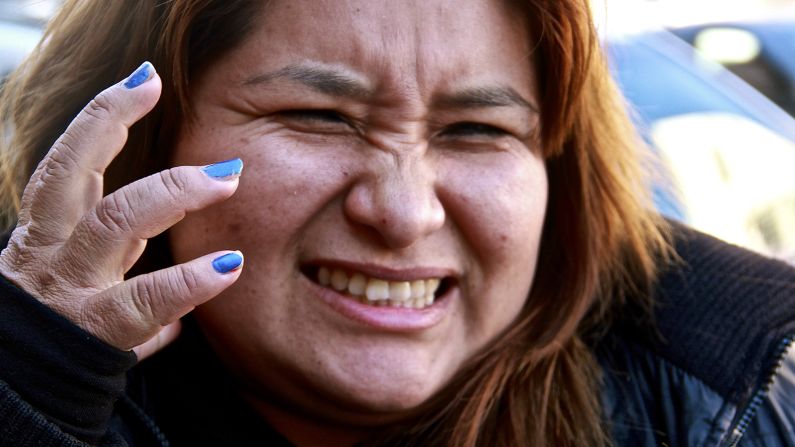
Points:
x=402, y=190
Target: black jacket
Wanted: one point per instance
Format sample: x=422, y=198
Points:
x=717, y=368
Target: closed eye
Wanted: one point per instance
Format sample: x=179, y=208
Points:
x=316, y=120
x=327, y=116
x=471, y=129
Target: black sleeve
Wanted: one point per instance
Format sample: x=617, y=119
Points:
x=58, y=383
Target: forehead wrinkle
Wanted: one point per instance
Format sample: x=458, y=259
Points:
x=331, y=81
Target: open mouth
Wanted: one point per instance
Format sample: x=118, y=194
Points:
x=416, y=294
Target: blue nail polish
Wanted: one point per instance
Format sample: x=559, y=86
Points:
x=139, y=76
x=224, y=169
x=227, y=262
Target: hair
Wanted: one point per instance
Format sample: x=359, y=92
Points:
x=538, y=382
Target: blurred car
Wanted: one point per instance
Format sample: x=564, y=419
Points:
x=725, y=153
x=762, y=53
x=17, y=39
x=21, y=28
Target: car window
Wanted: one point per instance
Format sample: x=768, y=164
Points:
x=750, y=56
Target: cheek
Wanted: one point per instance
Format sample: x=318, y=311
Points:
x=284, y=186
x=499, y=209
x=499, y=205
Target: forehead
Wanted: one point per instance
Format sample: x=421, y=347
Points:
x=395, y=43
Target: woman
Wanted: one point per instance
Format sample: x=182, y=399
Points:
x=442, y=215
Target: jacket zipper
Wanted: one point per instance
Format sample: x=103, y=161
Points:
x=759, y=396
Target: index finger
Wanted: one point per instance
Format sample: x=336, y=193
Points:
x=68, y=181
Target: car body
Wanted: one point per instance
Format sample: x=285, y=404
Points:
x=724, y=153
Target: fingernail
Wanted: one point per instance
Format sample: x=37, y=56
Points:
x=140, y=75
x=228, y=262
x=225, y=169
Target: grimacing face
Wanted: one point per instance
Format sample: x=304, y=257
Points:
x=388, y=147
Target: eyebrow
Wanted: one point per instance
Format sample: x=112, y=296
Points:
x=329, y=81
x=337, y=82
x=477, y=97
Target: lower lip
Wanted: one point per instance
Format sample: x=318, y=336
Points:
x=398, y=319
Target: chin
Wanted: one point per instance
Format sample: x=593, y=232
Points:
x=386, y=387
x=388, y=398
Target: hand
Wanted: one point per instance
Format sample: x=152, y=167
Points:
x=72, y=247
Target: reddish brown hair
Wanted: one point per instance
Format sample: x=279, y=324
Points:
x=538, y=382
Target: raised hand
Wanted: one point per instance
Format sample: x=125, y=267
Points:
x=72, y=246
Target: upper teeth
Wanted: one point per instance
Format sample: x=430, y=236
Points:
x=418, y=293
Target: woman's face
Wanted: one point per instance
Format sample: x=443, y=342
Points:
x=388, y=147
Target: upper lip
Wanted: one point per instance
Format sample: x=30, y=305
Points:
x=386, y=272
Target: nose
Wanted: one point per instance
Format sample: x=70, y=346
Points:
x=398, y=201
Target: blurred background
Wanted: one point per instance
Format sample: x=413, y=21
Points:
x=710, y=85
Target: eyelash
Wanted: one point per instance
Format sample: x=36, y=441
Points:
x=466, y=129
x=331, y=117
x=319, y=115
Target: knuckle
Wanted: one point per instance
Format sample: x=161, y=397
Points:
x=29, y=266
x=174, y=182
x=60, y=162
x=188, y=281
x=64, y=153
x=158, y=298
x=181, y=283
x=101, y=107
x=114, y=214
x=145, y=296
x=47, y=283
